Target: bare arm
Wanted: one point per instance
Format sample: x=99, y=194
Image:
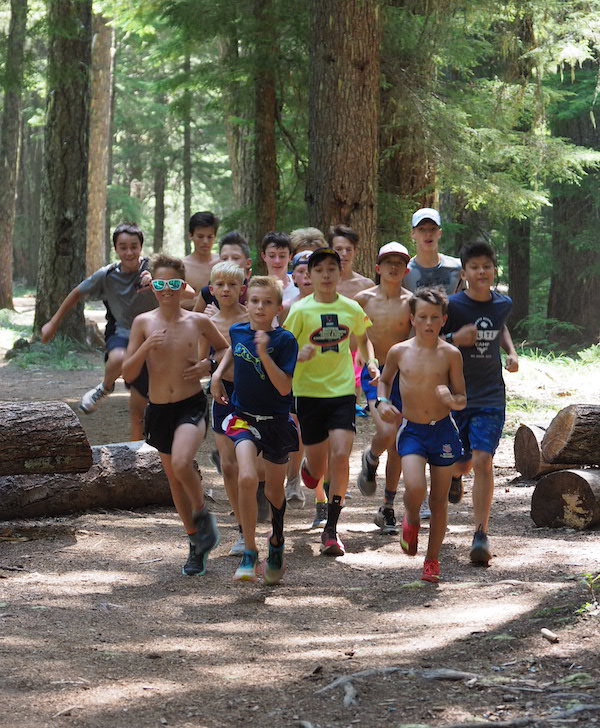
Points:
x=387, y=411
x=200, y=304
x=455, y=396
x=202, y=367
x=365, y=346
x=506, y=342
x=216, y=383
x=282, y=381
x=48, y=331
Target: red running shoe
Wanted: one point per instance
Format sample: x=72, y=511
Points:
x=410, y=537
x=331, y=544
x=307, y=478
x=431, y=571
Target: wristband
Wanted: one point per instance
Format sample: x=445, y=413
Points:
x=379, y=400
x=373, y=361
x=449, y=338
x=213, y=365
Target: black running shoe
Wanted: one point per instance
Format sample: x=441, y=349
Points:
x=456, y=491
x=480, y=548
x=367, y=483
x=202, y=542
x=386, y=520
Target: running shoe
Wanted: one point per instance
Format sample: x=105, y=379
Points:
x=480, y=548
x=386, y=520
x=203, y=542
x=246, y=571
x=410, y=537
x=331, y=544
x=320, y=515
x=293, y=493
x=196, y=562
x=367, y=482
x=274, y=565
x=362, y=411
x=431, y=571
x=92, y=399
x=307, y=478
x=238, y=548
x=456, y=491
x=263, y=513
x=424, y=510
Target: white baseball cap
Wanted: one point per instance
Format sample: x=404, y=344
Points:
x=393, y=248
x=426, y=213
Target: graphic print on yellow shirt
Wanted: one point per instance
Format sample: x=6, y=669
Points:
x=327, y=327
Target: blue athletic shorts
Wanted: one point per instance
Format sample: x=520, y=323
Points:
x=438, y=443
x=480, y=428
x=141, y=382
x=220, y=411
x=371, y=391
x=275, y=437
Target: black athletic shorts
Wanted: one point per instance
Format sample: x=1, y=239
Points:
x=161, y=420
x=318, y=415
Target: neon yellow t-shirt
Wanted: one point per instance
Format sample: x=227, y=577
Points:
x=327, y=326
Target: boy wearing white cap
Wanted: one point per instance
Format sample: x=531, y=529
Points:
x=386, y=304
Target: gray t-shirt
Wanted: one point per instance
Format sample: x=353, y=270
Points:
x=120, y=292
x=446, y=274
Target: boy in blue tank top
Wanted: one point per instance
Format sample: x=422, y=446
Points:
x=476, y=319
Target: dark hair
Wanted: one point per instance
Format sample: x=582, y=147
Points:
x=279, y=240
x=434, y=295
x=477, y=249
x=203, y=220
x=130, y=228
x=160, y=260
x=342, y=231
x=235, y=238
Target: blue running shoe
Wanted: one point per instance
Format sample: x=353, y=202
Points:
x=274, y=565
x=246, y=571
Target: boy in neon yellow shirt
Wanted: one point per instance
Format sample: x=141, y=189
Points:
x=323, y=382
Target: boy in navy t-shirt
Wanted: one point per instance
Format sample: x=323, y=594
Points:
x=264, y=359
x=476, y=318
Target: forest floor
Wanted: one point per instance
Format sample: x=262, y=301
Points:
x=99, y=628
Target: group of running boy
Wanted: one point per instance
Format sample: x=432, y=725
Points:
x=285, y=354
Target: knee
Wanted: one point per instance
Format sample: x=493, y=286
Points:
x=182, y=468
x=247, y=482
x=482, y=461
x=462, y=467
x=438, y=502
x=229, y=469
x=116, y=357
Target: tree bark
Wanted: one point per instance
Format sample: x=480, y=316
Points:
x=42, y=437
x=64, y=186
x=529, y=460
x=568, y=498
x=187, y=153
x=123, y=475
x=343, y=120
x=519, y=242
x=10, y=143
x=160, y=176
x=574, y=436
x=103, y=48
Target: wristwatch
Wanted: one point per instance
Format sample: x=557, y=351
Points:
x=379, y=400
x=213, y=365
x=449, y=338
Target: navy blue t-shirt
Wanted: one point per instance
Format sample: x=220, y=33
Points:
x=253, y=391
x=482, y=365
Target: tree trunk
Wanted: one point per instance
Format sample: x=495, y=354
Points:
x=123, y=475
x=568, y=498
x=519, y=241
x=41, y=437
x=160, y=175
x=103, y=48
x=9, y=144
x=573, y=436
x=529, y=460
x=343, y=120
x=187, y=153
x=64, y=186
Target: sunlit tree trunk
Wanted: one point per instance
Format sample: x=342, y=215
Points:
x=64, y=186
x=9, y=144
x=187, y=153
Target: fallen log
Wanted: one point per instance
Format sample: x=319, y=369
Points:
x=573, y=436
x=529, y=460
x=567, y=498
x=123, y=475
x=42, y=437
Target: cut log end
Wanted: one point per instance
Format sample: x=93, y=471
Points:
x=568, y=498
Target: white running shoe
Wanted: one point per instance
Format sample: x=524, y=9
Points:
x=238, y=547
x=293, y=493
x=90, y=400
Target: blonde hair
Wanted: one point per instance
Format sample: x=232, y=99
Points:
x=267, y=282
x=309, y=238
x=227, y=271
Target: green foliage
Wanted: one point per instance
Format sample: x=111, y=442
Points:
x=61, y=353
x=592, y=582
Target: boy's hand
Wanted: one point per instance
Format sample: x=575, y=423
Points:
x=389, y=413
x=48, y=332
x=196, y=370
x=307, y=352
x=144, y=281
x=512, y=363
x=261, y=339
x=444, y=395
x=465, y=336
x=374, y=373
x=218, y=390
x=156, y=339
x=211, y=310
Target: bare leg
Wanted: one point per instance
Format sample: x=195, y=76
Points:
x=438, y=502
x=340, y=447
x=113, y=367
x=182, y=504
x=229, y=468
x=246, y=456
x=316, y=458
x=483, y=488
x=137, y=405
x=275, y=492
x=415, y=486
x=186, y=442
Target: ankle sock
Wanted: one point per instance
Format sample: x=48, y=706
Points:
x=389, y=496
x=277, y=515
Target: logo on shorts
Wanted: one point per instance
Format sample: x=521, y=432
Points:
x=233, y=425
x=330, y=334
x=447, y=451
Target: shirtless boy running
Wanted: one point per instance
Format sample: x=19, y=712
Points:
x=387, y=306
x=168, y=339
x=431, y=385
